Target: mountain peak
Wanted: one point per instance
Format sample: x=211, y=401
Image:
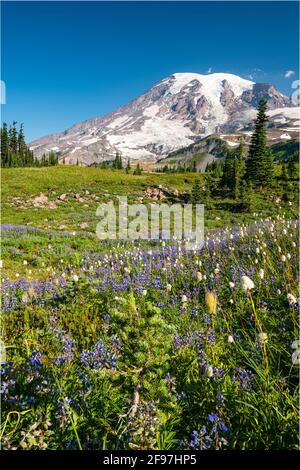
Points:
x=176, y=112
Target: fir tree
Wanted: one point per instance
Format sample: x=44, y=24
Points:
x=128, y=167
x=239, y=171
x=4, y=145
x=196, y=192
x=259, y=163
x=246, y=196
x=228, y=171
x=13, y=138
x=138, y=170
x=15, y=152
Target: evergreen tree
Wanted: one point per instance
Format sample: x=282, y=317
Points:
x=239, y=171
x=4, y=145
x=259, y=163
x=15, y=152
x=246, y=196
x=138, y=170
x=196, y=192
x=228, y=172
x=13, y=138
x=128, y=167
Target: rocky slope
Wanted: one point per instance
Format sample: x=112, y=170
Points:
x=174, y=113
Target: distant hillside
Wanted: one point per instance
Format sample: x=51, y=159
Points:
x=286, y=151
x=197, y=155
x=214, y=147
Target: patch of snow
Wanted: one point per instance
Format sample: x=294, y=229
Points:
x=90, y=141
x=151, y=111
x=169, y=135
x=55, y=149
x=212, y=83
x=231, y=144
x=291, y=113
x=285, y=137
x=249, y=133
x=74, y=149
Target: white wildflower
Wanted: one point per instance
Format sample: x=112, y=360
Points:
x=261, y=273
x=230, y=339
x=184, y=299
x=247, y=283
x=75, y=278
x=291, y=299
x=209, y=371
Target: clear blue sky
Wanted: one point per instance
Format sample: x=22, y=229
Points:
x=64, y=62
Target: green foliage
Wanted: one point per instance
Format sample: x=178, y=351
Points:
x=15, y=152
x=138, y=170
x=117, y=163
x=196, y=194
x=286, y=151
x=259, y=162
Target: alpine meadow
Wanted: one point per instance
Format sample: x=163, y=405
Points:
x=112, y=343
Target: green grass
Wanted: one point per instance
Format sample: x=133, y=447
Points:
x=27, y=183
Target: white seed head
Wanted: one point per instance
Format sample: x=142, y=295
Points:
x=247, y=283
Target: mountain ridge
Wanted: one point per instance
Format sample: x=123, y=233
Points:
x=175, y=112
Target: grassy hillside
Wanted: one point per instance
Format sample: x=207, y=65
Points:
x=70, y=227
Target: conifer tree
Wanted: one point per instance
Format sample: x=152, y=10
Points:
x=196, y=192
x=128, y=167
x=246, y=196
x=259, y=163
x=228, y=171
x=4, y=145
x=138, y=170
x=239, y=171
x=13, y=138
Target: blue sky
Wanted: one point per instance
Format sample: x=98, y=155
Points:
x=64, y=62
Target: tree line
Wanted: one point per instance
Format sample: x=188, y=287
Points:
x=14, y=151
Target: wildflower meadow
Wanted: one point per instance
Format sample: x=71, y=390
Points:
x=147, y=345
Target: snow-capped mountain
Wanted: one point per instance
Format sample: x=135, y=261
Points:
x=174, y=113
